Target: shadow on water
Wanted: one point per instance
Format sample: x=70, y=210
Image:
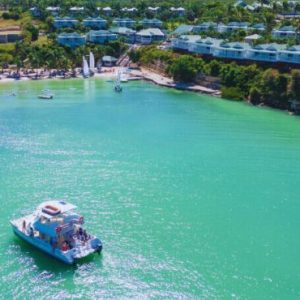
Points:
x=47, y=262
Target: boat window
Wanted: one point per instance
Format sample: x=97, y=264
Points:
x=56, y=219
x=43, y=220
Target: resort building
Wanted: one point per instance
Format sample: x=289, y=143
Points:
x=153, y=9
x=205, y=46
x=127, y=33
x=72, y=40
x=265, y=52
x=235, y=50
x=35, y=12
x=251, y=39
x=205, y=27
x=285, y=32
x=258, y=27
x=76, y=9
x=232, y=26
x=96, y=23
x=290, y=55
x=10, y=35
x=216, y=47
x=240, y=3
x=183, y=29
x=54, y=10
x=150, y=35
x=108, y=61
x=66, y=22
x=184, y=42
x=196, y=44
x=179, y=11
x=288, y=16
x=129, y=10
x=257, y=5
x=107, y=10
x=124, y=22
x=101, y=36
x=153, y=23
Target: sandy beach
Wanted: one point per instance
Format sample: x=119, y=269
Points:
x=110, y=72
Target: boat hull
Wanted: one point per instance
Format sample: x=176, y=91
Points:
x=43, y=246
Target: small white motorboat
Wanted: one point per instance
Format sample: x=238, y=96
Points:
x=118, y=87
x=57, y=230
x=45, y=96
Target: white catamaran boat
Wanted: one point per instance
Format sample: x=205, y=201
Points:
x=57, y=230
x=123, y=76
x=92, y=63
x=85, y=68
x=118, y=87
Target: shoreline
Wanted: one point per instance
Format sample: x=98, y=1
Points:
x=134, y=74
x=142, y=74
x=161, y=80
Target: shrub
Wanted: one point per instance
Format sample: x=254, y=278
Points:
x=232, y=93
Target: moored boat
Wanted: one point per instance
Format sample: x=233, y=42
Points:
x=57, y=230
x=46, y=97
x=85, y=68
x=118, y=87
x=46, y=94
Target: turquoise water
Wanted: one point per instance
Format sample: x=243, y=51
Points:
x=193, y=197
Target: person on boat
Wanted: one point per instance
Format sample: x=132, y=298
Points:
x=79, y=234
x=24, y=226
x=31, y=233
x=85, y=235
x=53, y=242
x=64, y=247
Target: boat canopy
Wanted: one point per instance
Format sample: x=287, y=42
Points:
x=56, y=206
x=56, y=224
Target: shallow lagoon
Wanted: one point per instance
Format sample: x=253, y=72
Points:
x=193, y=197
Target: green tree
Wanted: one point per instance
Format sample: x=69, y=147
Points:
x=295, y=84
x=185, y=68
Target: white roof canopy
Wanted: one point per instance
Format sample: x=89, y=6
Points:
x=62, y=205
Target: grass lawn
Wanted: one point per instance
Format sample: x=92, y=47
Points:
x=10, y=22
x=7, y=48
x=42, y=40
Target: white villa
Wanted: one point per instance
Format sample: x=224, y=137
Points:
x=71, y=39
x=205, y=46
x=285, y=32
x=150, y=35
x=97, y=23
x=151, y=23
x=196, y=44
x=107, y=10
x=205, y=26
x=265, y=52
x=66, y=22
x=290, y=54
x=153, y=9
x=242, y=51
x=101, y=36
x=235, y=50
x=180, y=11
x=184, y=42
x=233, y=26
x=76, y=9
x=123, y=22
x=250, y=39
x=129, y=10
x=54, y=10
x=258, y=27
